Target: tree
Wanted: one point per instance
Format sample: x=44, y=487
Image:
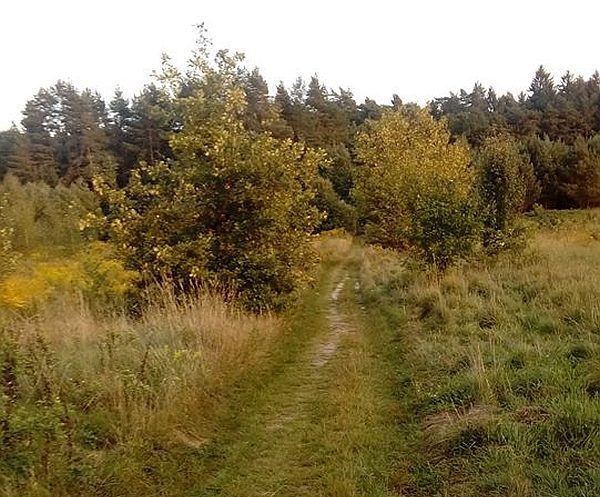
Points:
x=583, y=183
x=551, y=162
x=414, y=187
x=65, y=137
x=262, y=113
x=502, y=188
x=39, y=123
x=10, y=141
x=234, y=207
x=369, y=109
x=258, y=109
x=152, y=122
x=120, y=120
x=541, y=102
x=81, y=136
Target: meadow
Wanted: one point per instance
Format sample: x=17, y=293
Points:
x=483, y=379
x=97, y=375
x=498, y=377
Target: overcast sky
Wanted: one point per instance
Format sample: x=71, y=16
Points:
x=418, y=49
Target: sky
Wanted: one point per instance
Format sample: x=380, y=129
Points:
x=417, y=49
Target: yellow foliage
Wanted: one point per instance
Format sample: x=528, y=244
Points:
x=61, y=275
x=93, y=273
x=106, y=275
x=20, y=292
x=407, y=156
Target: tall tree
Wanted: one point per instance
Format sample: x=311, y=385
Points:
x=120, y=120
x=152, y=122
x=39, y=123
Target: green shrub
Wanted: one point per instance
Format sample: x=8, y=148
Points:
x=502, y=189
x=415, y=188
x=444, y=226
x=234, y=209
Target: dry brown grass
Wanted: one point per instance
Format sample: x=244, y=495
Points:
x=117, y=388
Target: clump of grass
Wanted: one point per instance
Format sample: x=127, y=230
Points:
x=459, y=432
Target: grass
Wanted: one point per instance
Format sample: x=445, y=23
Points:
x=195, y=397
x=483, y=380
x=499, y=366
x=314, y=427
x=91, y=405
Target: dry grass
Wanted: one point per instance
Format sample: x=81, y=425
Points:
x=89, y=391
x=333, y=246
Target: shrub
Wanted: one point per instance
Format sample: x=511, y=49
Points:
x=338, y=213
x=502, y=189
x=7, y=254
x=414, y=188
x=235, y=208
x=444, y=226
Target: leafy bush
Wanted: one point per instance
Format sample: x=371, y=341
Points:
x=338, y=214
x=502, y=189
x=414, y=188
x=235, y=208
x=444, y=226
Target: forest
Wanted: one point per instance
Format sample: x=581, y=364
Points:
x=69, y=135
x=220, y=288
x=73, y=139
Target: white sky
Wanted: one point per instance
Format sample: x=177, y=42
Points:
x=418, y=49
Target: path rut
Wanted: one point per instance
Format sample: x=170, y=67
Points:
x=301, y=439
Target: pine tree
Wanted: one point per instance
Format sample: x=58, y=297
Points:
x=9, y=141
x=120, y=118
x=151, y=124
x=39, y=123
x=258, y=110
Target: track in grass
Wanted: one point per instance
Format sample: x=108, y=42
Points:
x=323, y=425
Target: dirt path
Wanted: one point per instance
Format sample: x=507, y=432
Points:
x=338, y=326
x=322, y=426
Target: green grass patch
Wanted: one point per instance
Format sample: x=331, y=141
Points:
x=498, y=373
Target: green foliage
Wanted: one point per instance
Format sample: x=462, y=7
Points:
x=502, y=189
x=234, y=207
x=444, y=226
x=7, y=253
x=42, y=218
x=414, y=188
x=337, y=212
x=65, y=137
x=583, y=182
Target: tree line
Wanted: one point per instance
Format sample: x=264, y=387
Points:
x=70, y=135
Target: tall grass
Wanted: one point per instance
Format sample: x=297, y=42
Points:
x=500, y=375
x=96, y=405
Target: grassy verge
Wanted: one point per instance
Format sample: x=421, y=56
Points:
x=322, y=421
x=498, y=369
